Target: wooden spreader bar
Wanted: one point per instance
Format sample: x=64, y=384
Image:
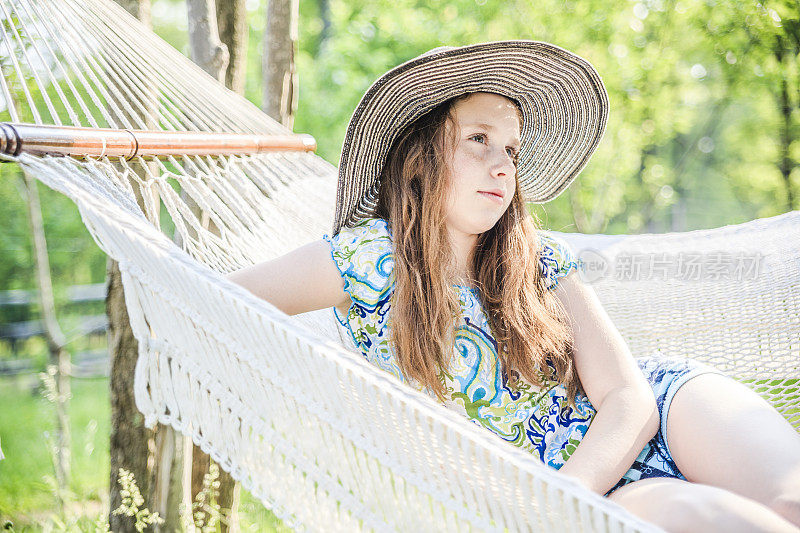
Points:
x=98, y=142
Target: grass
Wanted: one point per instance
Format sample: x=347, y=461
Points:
x=27, y=496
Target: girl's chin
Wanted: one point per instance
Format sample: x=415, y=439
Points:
x=479, y=222
x=484, y=225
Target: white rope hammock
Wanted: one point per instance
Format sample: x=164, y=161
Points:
x=325, y=440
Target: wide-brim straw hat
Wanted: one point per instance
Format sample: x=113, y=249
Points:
x=563, y=101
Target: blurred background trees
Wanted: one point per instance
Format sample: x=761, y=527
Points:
x=704, y=102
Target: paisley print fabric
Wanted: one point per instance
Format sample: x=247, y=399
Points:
x=536, y=419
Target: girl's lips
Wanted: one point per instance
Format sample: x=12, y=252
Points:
x=495, y=197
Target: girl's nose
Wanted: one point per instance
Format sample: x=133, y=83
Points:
x=502, y=164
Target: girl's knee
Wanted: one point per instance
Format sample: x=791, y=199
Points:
x=787, y=505
x=700, y=505
x=668, y=503
x=707, y=508
x=678, y=506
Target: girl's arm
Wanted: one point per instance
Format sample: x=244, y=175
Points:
x=627, y=416
x=305, y=279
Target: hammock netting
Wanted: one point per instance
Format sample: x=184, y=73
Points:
x=285, y=404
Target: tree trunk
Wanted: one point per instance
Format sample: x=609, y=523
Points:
x=145, y=453
x=139, y=9
x=205, y=47
x=232, y=24
x=229, y=493
x=579, y=216
x=212, y=55
x=166, y=478
x=129, y=438
x=325, y=33
x=280, y=75
x=678, y=213
x=786, y=164
x=59, y=357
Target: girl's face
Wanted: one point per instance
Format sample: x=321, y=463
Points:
x=483, y=166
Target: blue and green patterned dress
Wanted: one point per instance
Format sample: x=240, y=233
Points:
x=536, y=419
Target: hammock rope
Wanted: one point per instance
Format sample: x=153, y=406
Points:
x=325, y=440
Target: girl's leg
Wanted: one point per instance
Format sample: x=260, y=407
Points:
x=721, y=433
x=676, y=505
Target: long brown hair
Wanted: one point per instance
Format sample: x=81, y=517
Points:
x=527, y=321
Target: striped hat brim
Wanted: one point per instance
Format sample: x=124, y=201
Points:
x=562, y=98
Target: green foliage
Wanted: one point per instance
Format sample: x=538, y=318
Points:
x=26, y=477
x=677, y=149
x=205, y=513
x=693, y=139
x=26, y=474
x=74, y=257
x=132, y=502
x=693, y=136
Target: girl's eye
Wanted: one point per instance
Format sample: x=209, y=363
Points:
x=513, y=154
x=481, y=138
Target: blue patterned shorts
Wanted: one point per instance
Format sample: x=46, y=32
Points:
x=666, y=376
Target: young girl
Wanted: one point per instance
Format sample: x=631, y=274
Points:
x=440, y=275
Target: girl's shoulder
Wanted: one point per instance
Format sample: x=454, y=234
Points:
x=363, y=255
x=556, y=258
x=367, y=236
x=368, y=227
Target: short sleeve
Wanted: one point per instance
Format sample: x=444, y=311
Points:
x=363, y=254
x=556, y=259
